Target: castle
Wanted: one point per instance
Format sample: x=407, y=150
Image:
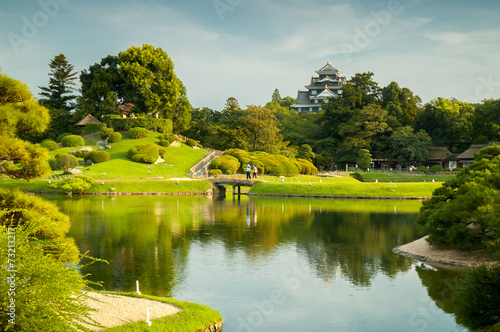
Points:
x=328, y=84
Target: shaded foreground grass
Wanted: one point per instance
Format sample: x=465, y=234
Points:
x=345, y=187
x=193, y=317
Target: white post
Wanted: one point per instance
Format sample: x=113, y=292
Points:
x=137, y=286
x=147, y=318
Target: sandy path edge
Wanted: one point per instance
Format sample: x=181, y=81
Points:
x=421, y=250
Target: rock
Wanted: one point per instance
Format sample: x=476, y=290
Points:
x=89, y=162
x=75, y=171
x=100, y=143
x=85, y=148
x=101, y=148
x=175, y=144
x=107, y=146
x=159, y=160
x=196, y=147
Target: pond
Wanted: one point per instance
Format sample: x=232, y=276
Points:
x=269, y=264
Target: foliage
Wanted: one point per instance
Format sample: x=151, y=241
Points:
x=191, y=142
x=97, y=156
x=305, y=152
x=479, y=299
x=400, y=103
x=408, y=146
x=164, y=142
x=91, y=128
x=225, y=163
x=437, y=168
x=422, y=169
x=57, y=95
x=364, y=159
x=464, y=212
x=49, y=144
x=137, y=132
x=63, y=162
x=115, y=137
x=75, y=185
x=43, y=220
x=22, y=160
x=262, y=125
x=120, y=124
x=104, y=132
x=170, y=138
x=79, y=153
x=307, y=167
x=162, y=152
x=145, y=153
x=215, y=172
x=61, y=136
x=72, y=141
x=48, y=295
x=357, y=176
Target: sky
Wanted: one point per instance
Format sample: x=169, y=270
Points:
x=248, y=48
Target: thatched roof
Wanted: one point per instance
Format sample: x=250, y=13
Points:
x=438, y=153
x=474, y=148
x=88, y=119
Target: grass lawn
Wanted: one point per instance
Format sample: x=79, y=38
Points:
x=193, y=317
x=398, y=177
x=344, y=187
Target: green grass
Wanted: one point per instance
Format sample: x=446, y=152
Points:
x=193, y=317
x=344, y=187
x=178, y=161
x=398, y=177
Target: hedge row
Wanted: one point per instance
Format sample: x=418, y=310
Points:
x=161, y=125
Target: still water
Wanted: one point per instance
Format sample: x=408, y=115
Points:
x=269, y=264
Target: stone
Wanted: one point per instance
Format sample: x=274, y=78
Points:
x=89, y=162
x=107, y=146
x=75, y=171
x=101, y=148
x=100, y=143
x=196, y=147
x=175, y=144
x=85, y=148
x=159, y=160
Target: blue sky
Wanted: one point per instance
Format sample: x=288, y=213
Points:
x=247, y=48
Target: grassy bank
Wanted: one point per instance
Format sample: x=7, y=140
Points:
x=193, y=317
x=403, y=177
x=345, y=187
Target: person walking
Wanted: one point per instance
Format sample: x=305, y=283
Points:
x=248, y=172
x=255, y=172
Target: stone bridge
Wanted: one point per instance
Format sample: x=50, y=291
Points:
x=220, y=185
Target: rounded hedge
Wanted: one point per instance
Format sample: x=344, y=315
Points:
x=164, y=142
x=138, y=132
x=358, y=177
x=168, y=137
x=144, y=153
x=63, y=162
x=105, y=132
x=215, y=172
x=80, y=153
x=437, y=168
x=191, y=142
x=97, y=156
x=225, y=163
x=161, y=152
x=61, y=136
x=422, y=169
x=114, y=137
x=72, y=141
x=50, y=144
x=308, y=167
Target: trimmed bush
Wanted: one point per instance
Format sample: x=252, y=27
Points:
x=225, y=163
x=242, y=156
x=75, y=185
x=191, y=142
x=97, y=156
x=80, y=153
x=307, y=167
x=169, y=138
x=161, y=125
x=138, y=132
x=162, y=152
x=72, y=141
x=422, y=169
x=164, y=142
x=228, y=172
x=63, y=162
x=61, y=136
x=144, y=153
x=105, y=132
x=358, y=177
x=215, y=172
x=437, y=168
x=91, y=128
x=114, y=137
x=49, y=144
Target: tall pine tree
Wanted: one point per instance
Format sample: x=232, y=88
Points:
x=58, y=94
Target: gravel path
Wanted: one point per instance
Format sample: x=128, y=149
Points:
x=114, y=310
x=421, y=250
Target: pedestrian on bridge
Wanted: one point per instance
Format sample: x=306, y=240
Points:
x=255, y=172
x=248, y=172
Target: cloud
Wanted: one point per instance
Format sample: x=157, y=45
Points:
x=448, y=37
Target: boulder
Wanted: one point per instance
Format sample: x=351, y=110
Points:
x=89, y=162
x=159, y=160
x=100, y=143
x=85, y=148
x=175, y=144
x=196, y=147
x=75, y=171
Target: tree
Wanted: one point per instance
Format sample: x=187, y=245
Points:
x=486, y=121
x=276, y=98
x=406, y=145
x=182, y=113
x=64, y=162
x=262, y=125
x=21, y=113
x=149, y=80
x=58, y=94
x=306, y=152
x=364, y=159
x=464, y=212
x=400, y=103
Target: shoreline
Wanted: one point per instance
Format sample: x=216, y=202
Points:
x=422, y=251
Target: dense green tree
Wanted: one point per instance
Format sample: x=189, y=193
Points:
x=486, y=121
x=400, y=103
x=306, y=152
x=262, y=125
x=182, y=113
x=276, y=98
x=409, y=146
x=287, y=102
x=364, y=159
x=58, y=95
x=464, y=212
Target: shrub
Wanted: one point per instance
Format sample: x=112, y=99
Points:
x=422, y=169
x=91, y=128
x=308, y=167
x=447, y=170
x=144, y=153
x=437, y=168
x=61, y=136
x=168, y=137
x=63, y=162
x=72, y=141
x=225, y=163
x=50, y=144
x=80, y=153
x=75, y=185
x=115, y=137
x=358, y=177
x=191, y=142
x=97, y=156
x=138, y=132
x=242, y=155
x=105, y=132
x=228, y=172
x=162, y=125
x=161, y=152
x=164, y=142
x=215, y=172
